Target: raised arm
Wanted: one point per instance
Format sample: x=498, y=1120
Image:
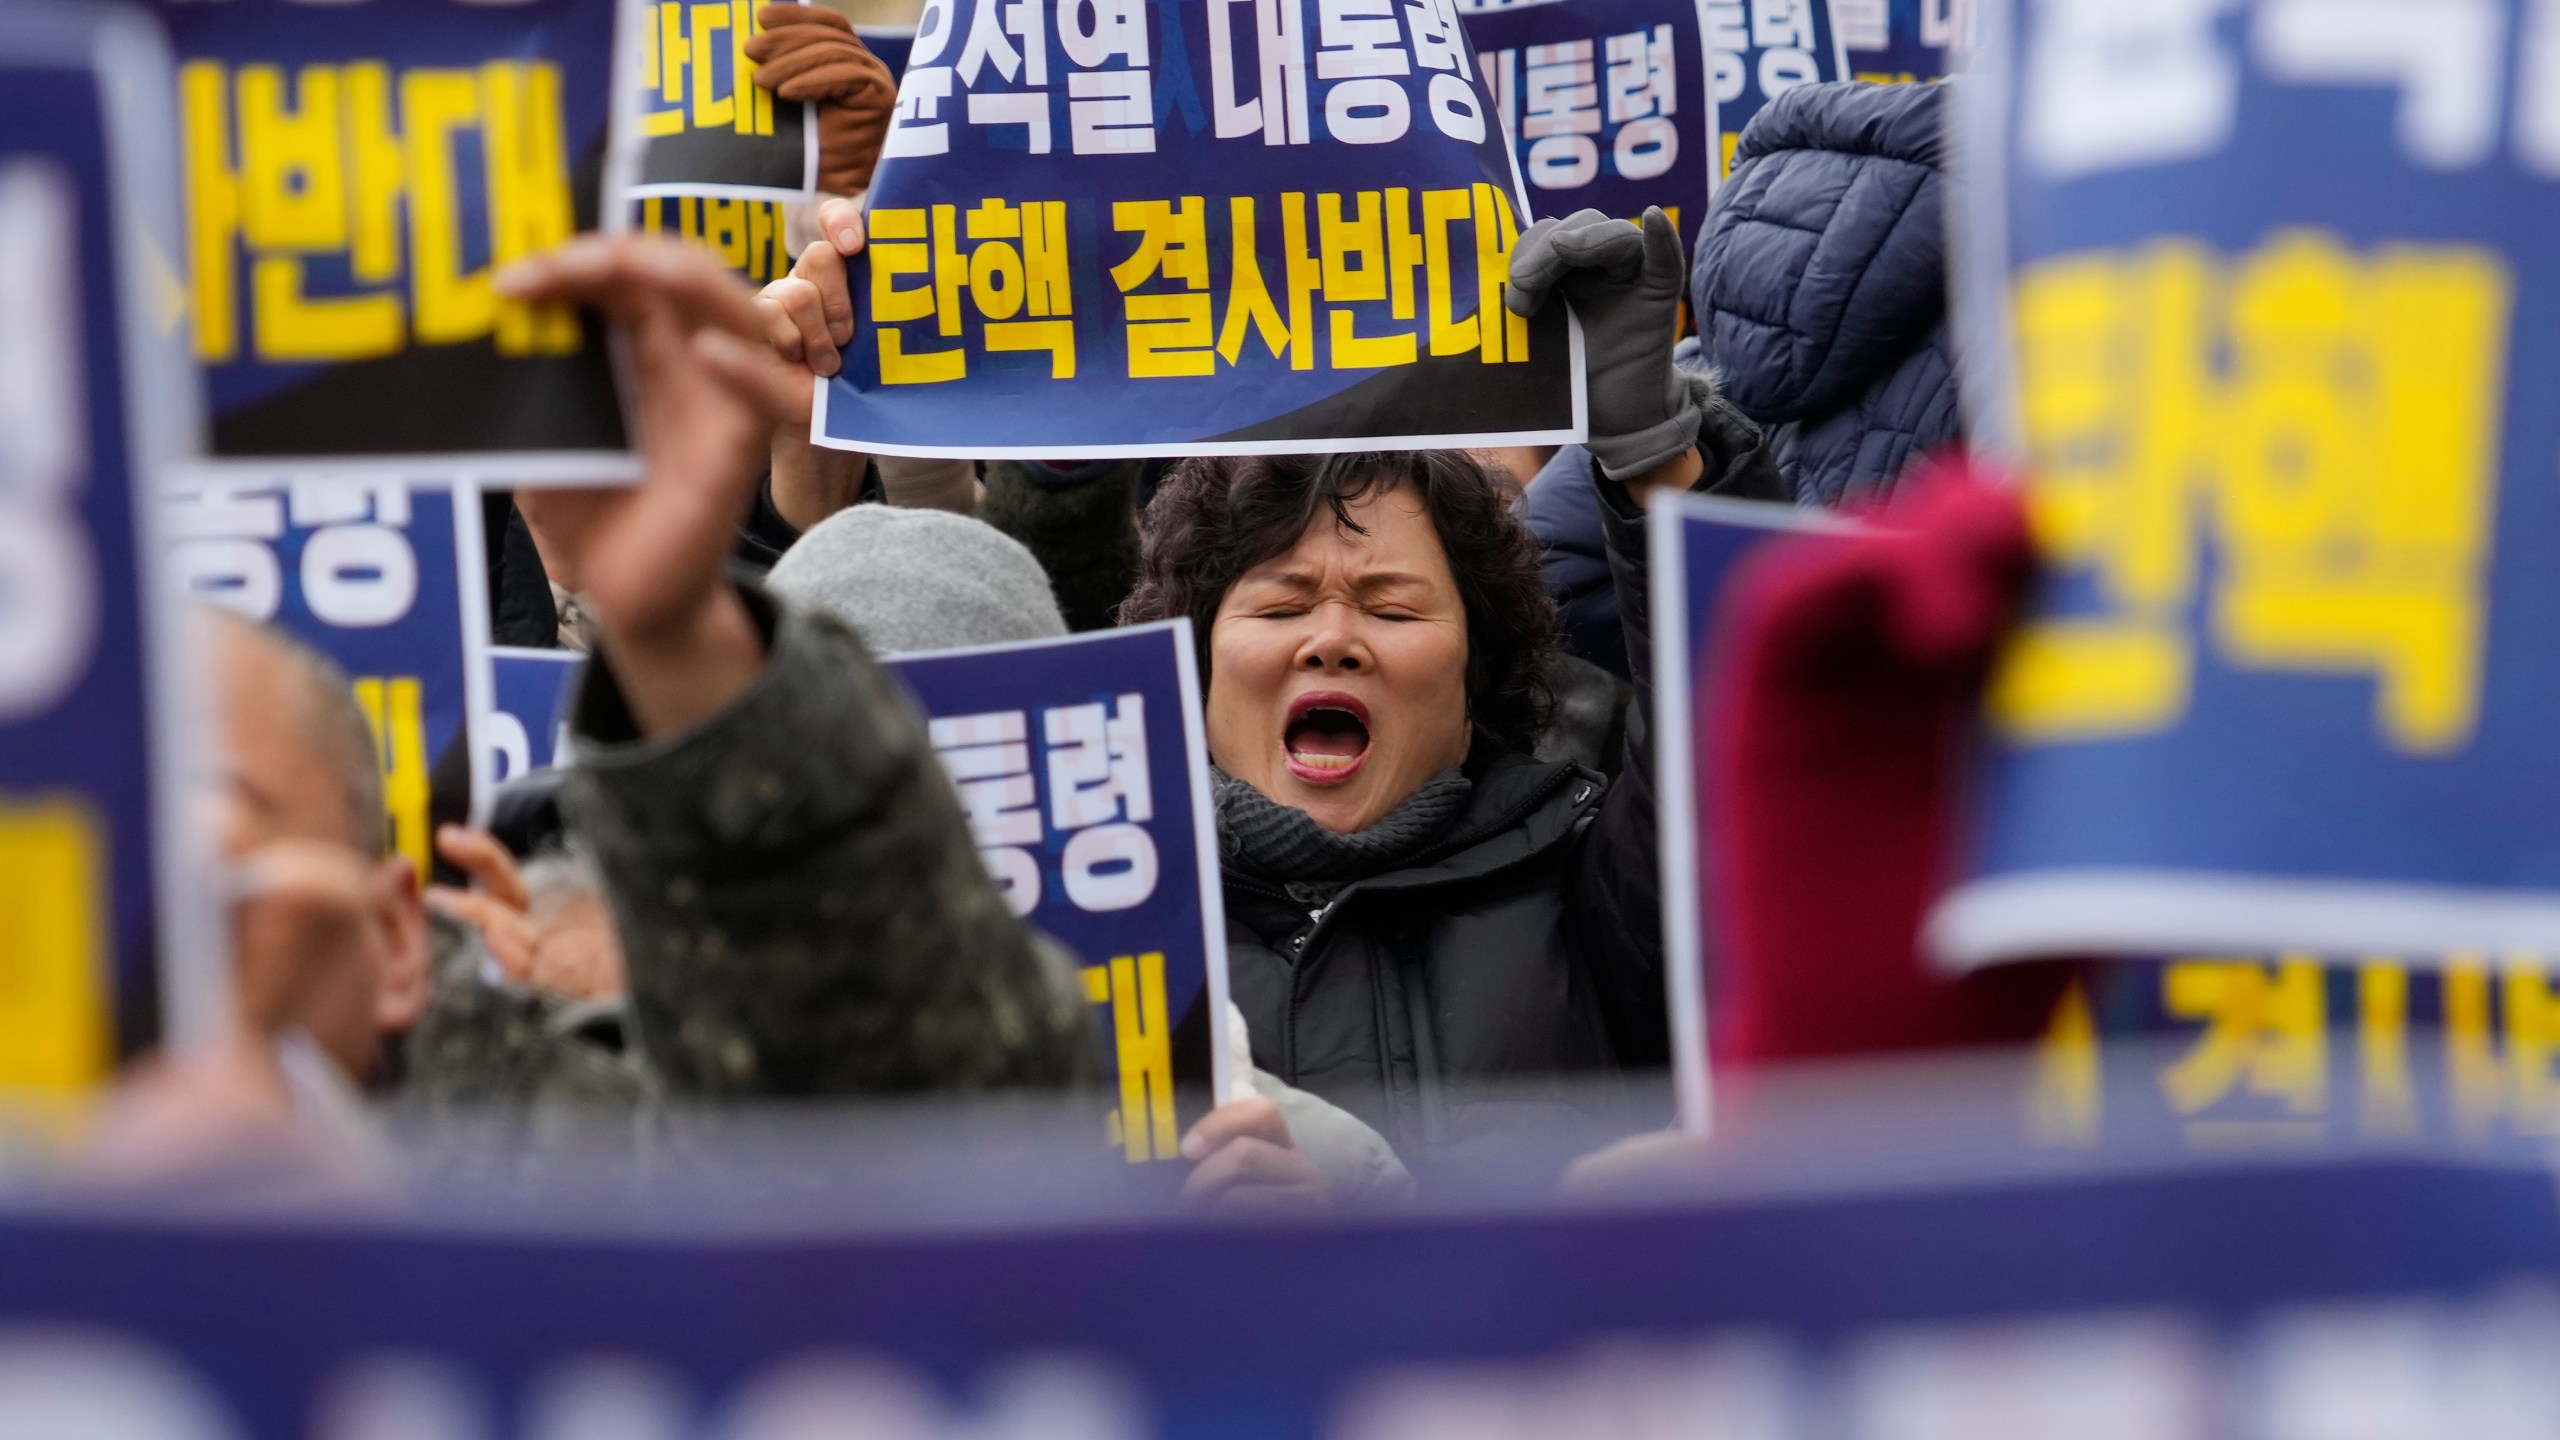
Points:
x=802, y=907
x=1652, y=428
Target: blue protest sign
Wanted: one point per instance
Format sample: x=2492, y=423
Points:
x=1139, y=227
x=1696, y=543
x=2222, y=1052
x=1763, y=49
x=2260, y=297
x=387, y=579
x=704, y=126
x=892, y=43
x=1902, y=41
x=527, y=727
x=2255, y=1301
x=1085, y=770
x=354, y=174
x=104, y=921
x=1605, y=101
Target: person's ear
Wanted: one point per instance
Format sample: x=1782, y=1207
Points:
x=400, y=989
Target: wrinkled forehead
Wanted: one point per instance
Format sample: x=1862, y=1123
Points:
x=1386, y=528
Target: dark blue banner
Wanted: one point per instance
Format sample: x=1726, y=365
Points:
x=1148, y=227
x=354, y=174
x=1606, y=102
x=385, y=578
x=2222, y=1053
x=2262, y=300
x=1763, y=49
x=2255, y=1302
x=892, y=43
x=1697, y=543
x=1085, y=771
x=705, y=127
x=1897, y=42
x=98, y=899
x=527, y=727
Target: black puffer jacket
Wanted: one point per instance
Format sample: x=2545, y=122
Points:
x=1820, y=285
x=1524, y=948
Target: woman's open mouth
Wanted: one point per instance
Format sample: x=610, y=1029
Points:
x=1327, y=737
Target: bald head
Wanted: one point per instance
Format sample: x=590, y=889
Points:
x=298, y=756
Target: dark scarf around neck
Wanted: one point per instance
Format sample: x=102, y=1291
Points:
x=1281, y=843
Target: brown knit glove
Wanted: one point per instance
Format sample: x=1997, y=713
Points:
x=809, y=53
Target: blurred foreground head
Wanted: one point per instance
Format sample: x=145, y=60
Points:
x=909, y=580
x=328, y=933
x=1364, y=619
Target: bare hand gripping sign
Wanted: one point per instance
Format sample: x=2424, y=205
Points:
x=1143, y=227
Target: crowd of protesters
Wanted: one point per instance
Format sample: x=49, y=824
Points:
x=1425, y=676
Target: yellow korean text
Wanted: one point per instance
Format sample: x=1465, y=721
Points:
x=694, y=70
x=748, y=234
x=328, y=216
x=1142, y=1048
x=1365, y=280
x=2312, y=427
x=56, y=1029
x=394, y=709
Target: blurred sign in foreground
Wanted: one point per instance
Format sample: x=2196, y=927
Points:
x=103, y=932
x=355, y=173
x=2262, y=298
x=385, y=578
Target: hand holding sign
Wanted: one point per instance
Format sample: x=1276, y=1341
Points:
x=808, y=314
x=810, y=54
x=651, y=559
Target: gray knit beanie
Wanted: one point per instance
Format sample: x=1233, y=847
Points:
x=919, y=580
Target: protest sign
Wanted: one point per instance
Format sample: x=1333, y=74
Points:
x=1763, y=49
x=1605, y=102
x=1115, y=228
x=354, y=174
x=750, y=235
x=705, y=127
x=1695, y=543
x=1907, y=1298
x=527, y=727
x=386, y=578
x=1902, y=41
x=106, y=930
x=2261, y=310
x=2223, y=1052
x=1085, y=770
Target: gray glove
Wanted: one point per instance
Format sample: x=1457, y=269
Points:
x=1624, y=284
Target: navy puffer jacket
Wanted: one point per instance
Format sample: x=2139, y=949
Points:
x=1820, y=285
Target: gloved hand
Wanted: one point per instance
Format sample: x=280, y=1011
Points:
x=810, y=54
x=1625, y=285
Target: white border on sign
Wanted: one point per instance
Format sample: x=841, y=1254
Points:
x=2130, y=910
x=137, y=84
x=479, y=678
x=1978, y=236
x=1204, y=815
x=1675, y=778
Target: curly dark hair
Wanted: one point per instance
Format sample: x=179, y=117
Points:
x=1214, y=519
